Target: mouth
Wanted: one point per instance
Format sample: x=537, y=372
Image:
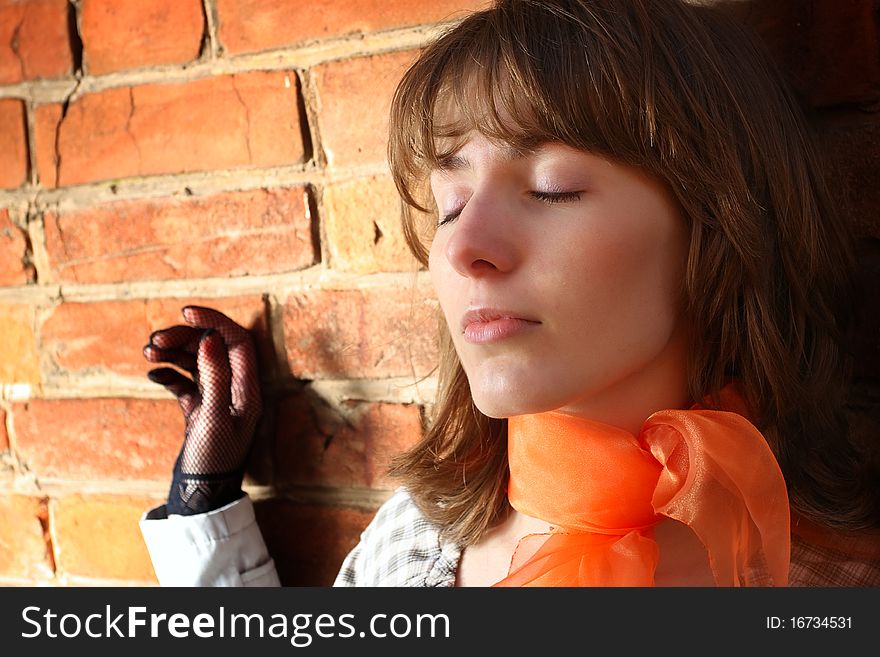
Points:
x=487, y=325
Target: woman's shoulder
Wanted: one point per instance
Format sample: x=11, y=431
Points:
x=825, y=557
x=401, y=547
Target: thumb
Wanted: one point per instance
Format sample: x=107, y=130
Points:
x=178, y=385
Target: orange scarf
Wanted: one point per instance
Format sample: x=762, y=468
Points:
x=605, y=489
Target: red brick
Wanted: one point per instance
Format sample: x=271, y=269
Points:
x=24, y=541
x=245, y=120
x=46, y=118
x=829, y=51
x=363, y=227
x=319, y=447
x=34, y=40
x=231, y=234
x=15, y=268
x=250, y=25
x=13, y=144
x=845, y=54
x=864, y=339
x=17, y=340
x=4, y=437
x=88, y=439
x=309, y=542
x=127, y=34
x=360, y=87
x=367, y=333
x=863, y=416
x=99, y=537
x=851, y=150
x=109, y=336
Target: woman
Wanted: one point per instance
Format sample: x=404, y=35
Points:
x=645, y=290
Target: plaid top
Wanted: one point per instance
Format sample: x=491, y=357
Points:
x=400, y=547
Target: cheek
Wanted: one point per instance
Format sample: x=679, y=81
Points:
x=598, y=270
x=621, y=280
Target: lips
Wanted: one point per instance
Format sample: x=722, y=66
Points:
x=485, y=325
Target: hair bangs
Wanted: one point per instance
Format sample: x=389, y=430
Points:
x=515, y=78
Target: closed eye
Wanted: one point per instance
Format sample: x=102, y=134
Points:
x=449, y=218
x=555, y=197
x=549, y=198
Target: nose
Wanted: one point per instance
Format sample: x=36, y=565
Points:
x=482, y=241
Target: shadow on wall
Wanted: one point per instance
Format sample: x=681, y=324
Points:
x=824, y=51
x=307, y=447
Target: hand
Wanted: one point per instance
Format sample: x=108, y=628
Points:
x=221, y=405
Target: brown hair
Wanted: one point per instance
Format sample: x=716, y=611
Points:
x=689, y=96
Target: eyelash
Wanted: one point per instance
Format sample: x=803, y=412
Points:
x=550, y=198
x=556, y=197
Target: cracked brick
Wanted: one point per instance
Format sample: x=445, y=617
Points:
x=108, y=336
x=374, y=332
x=34, y=40
x=4, y=436
x=15, y=266
x=362, y=225
x=230, y=234
x=247, y=119
x=14, y=46
x=24, y=546
x=362, y=88
x=353, y=450
x=46, y=121
x=131, y=110
x=176, y=128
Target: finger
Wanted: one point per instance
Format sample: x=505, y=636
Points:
x=178, y=385
x=182, y=359
x=215, y=374
x=246, y=399
x=177, y=337
x=206, y=318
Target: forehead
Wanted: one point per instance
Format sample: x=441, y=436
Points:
x=473, y=103
x=479, y=152
x=463, y=157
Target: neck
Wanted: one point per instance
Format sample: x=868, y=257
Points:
x=628, y=401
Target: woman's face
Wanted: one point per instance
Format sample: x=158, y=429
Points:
x=559, y=273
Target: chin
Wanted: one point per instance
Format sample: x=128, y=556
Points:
x=504, y=387
x=497, y=411
x=500, y=405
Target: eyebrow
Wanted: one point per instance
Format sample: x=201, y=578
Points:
x=456, y=162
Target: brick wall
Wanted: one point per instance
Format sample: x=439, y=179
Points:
x=231, y=153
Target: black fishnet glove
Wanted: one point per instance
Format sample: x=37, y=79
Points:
x=221, y=405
